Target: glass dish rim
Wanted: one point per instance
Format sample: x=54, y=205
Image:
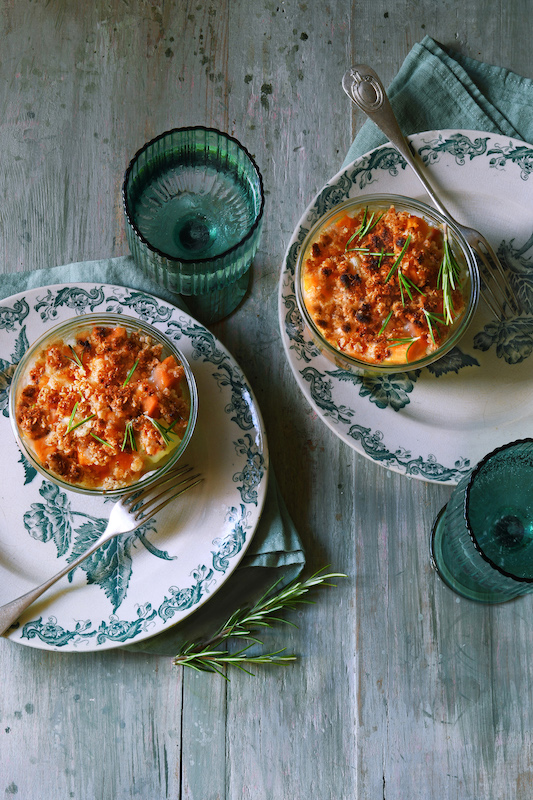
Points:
x=466, y=503
x=189, y=261
x=358, y=365
x=87, y=319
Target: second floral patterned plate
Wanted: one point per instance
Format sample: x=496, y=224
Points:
x=436, y=423
x=142, y=583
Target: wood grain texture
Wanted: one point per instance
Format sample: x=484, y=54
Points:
x=402, y=690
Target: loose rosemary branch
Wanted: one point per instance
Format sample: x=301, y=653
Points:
x=208, y=657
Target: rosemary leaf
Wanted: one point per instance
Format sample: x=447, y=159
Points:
x=71, y=420
x=430, y=327
x=102, y=441
x=363, y=223
x=133, y=443
x=350, y=240
x=385, y=323
x=129, y=437
x=130, y=373
x=75, y=357
x=367, y=252
x=398, y=260
x=398, y=342
x=365, y=228
x=71, y=428
x=159, y=428
x=371, y=227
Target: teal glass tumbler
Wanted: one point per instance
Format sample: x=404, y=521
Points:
x=193, y=201
x=482, y=540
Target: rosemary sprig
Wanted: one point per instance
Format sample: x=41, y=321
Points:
x=448, y=279
x=364, y=229
x=70, y=426
x=357, y=234
x=129, y=436
x=130, y=373
x=398, y=261
x=436, y=319
x=208, y=657
x=406, y=284
x=75, y=357
x=163, y=432
x=370, y=226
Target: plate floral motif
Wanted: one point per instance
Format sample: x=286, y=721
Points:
x=141, y=583
x=435, y=423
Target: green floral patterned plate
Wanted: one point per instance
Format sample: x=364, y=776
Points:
x=435, y=423
x=139, y=584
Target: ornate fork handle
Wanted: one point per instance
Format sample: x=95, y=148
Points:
x=129, y=513
x=10, y=612
x=364, y=88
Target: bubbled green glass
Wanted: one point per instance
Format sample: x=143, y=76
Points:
x=193, y=201
x=482, y=541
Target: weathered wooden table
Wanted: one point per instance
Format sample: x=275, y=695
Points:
x=401, y=689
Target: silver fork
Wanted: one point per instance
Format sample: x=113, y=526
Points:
x=128, y=514
x=364, y=88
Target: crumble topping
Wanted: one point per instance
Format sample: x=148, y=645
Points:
x=104, y=410
x=374, y=287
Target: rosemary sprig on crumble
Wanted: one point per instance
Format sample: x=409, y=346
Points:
x=448, y=279
x=364, y=229
x=130, y=373
x=75, y=357
x=163, y=432
x=433, y=319
x=398, y=261
x=70, y=426
x=129, y=437
x=102, y=441
x=385, y=322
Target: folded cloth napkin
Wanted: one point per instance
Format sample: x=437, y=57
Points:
x=275, y=553
x=437, y=88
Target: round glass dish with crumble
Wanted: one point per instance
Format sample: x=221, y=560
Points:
x=384, y=282
x=102, y=403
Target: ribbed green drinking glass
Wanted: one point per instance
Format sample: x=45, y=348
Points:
x=482, y=541
x=193, y=201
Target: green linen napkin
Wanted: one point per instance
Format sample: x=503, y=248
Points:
x=275, y=553
x=437, y=88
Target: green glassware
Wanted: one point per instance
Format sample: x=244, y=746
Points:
x=482, y=540
x=193, y=201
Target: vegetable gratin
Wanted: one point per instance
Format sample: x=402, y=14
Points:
x=104, y=409
x=383, y=286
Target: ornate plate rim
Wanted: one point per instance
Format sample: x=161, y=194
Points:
x=318, y=379
x=235, y=396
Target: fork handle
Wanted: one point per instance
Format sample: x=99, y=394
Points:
x=10, y=612
x=364, y=88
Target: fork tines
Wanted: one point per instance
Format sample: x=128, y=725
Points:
x=497, y=291
x=174, y=483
